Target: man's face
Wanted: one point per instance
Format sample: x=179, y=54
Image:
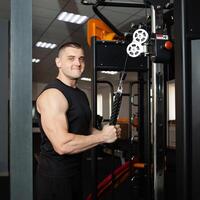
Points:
x=71, y=62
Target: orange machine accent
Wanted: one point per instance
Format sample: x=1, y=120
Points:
x=139, y=165
x=124, y=120
x=168, y=45
x=97, y=28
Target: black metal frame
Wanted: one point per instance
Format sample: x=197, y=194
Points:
x=158, y=85
x=144, y=106
x=117, y=51
x=186, y=95
x=187, y=100
x=113, y=4
x=182, y=78
x=145, y=132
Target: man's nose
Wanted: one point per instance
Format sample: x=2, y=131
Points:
x=76, y=61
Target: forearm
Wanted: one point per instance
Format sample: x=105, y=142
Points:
x=80, y=143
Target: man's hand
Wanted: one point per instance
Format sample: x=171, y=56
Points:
x=118, y=130
x=110, y=133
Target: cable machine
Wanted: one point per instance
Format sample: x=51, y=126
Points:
x=147, y=54
x=103, y=63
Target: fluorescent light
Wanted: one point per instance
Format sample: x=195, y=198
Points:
x=109, y=72
x=68, y=16
x=46, y=45
x=35, y=60
x=43, y=45
x=85, y=79
x=52, y=46
x=72, y=18
x=38, y=44
x=62, y=16
x=82, y=20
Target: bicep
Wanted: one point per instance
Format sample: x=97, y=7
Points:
x=54, y=125
x=53, y=107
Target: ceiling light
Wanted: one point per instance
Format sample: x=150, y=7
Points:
x=82, y=20
x=109, y=72
x=35, y=60
x=52, y=46
x=85, y=79
x=72, y=18
x=46, y=45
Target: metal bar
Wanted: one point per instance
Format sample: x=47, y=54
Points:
x=147, y=136
x=4, y=171
x=159, y=133
x=157, y=121
x=130, y=141
x=21, y=167
x=141, y=133
x=141, y=116
x=106, y=21
x=181, y=71
x=154, y=108
x=117, y=4
x=130, y=111
x=124, y=4
x=195, y=124
x=94, y=117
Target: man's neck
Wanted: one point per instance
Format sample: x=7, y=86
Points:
x=67, y=81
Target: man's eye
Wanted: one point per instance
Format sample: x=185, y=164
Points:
x=82, y=59
x=71, y=58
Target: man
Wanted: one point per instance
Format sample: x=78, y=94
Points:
x=65, y=120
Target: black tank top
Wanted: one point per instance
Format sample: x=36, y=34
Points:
x=79, y=117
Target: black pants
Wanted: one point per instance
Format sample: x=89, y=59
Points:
x=58, y=188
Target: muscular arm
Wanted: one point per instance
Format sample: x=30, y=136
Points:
x=52, y=106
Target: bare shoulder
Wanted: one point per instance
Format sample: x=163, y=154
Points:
x=51, y=98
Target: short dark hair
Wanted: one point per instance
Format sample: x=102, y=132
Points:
x=70, y=44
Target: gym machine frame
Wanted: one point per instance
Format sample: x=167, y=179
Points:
x=137, y=65
x=102, y=67
x=187, y=98
x=158, y=58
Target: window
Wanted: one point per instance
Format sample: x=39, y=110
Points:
x=99, y=104
x=171, y=101
x=171, y=115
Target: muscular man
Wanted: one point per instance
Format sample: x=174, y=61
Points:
x=65, y=122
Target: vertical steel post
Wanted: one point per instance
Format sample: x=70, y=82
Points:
x=21, y=167
x=158, y=120
x=147, y=136
x=195, y=122
x=182, y=101
x=4, y=38
x=94, y=117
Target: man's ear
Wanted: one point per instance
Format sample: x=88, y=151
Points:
x=57, y=61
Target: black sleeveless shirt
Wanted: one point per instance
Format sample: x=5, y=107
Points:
x=79, y=117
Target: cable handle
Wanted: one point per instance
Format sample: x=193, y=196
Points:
x=116, y=106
